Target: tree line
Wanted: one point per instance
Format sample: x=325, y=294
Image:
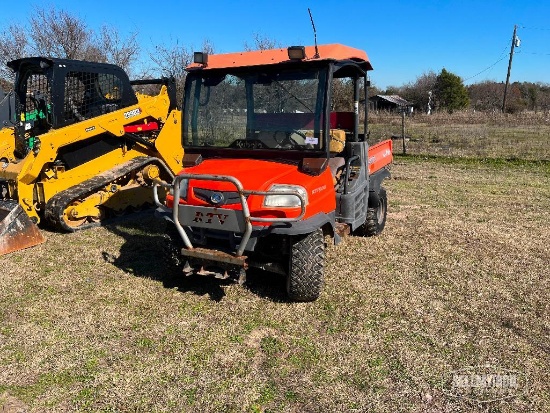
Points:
x=57, y=33
x=446, y=91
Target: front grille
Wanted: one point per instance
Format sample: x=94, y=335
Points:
x=221, y=240
x=229, y=197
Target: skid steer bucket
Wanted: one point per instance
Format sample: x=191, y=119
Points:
x=17, y=231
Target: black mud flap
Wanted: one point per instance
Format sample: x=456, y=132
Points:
x=17, y=231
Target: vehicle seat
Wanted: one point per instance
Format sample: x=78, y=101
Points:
x=337, y=165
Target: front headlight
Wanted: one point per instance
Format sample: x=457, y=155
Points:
x=285, y=200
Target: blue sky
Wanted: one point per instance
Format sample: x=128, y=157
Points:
x=403, y=39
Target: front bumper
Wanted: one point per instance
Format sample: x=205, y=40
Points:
x=224, y=235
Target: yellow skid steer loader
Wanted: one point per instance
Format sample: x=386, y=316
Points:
x=85, y=147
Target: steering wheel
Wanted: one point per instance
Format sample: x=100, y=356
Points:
x=288, y=141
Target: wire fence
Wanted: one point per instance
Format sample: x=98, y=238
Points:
x=523, y=136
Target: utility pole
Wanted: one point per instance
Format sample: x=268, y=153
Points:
x=509, y=69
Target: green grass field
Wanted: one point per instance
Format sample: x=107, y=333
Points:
x=94, y=321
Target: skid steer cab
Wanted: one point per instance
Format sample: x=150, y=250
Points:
x=276, y=160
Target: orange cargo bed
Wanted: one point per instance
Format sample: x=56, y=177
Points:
x=380, y=155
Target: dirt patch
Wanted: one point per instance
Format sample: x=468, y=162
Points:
x=10, y=404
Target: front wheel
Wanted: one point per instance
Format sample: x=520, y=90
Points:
x=306, y=266
x=171, y=248
x=376, y=217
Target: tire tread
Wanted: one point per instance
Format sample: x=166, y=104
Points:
x=306, y=267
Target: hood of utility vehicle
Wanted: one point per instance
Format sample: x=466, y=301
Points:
x=260, y=175
x=253, y=174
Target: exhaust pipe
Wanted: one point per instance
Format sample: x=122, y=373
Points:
x=17, y=231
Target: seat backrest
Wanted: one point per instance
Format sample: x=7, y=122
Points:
x=342, y=120
x=337, y=141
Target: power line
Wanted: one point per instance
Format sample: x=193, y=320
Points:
x=503, y=56
x=534, y=28
x=534, y=53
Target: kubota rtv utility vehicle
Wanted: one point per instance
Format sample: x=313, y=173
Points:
x=270, y=169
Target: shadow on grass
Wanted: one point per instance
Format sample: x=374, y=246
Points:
x=142, y=255
x=266, y=285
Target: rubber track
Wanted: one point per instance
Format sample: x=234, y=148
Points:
x=58, y=203
x=305, y=279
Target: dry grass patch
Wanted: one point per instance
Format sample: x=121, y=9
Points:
x=94, y=321
x=469, y=134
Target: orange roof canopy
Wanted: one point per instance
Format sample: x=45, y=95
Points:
x=274, y=56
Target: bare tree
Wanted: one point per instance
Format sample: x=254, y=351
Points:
x=418, y=92
x=486, y=95
x=262, y=42
x=120, y=51
x=173, y=60
x=208, y=46
x=57, y=33
x=14, y=44
x=342, y=95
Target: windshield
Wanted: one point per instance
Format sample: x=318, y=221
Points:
x=259, y=110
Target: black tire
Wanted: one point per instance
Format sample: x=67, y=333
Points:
x=306, y=267
x=171, y=248
x=376, y=217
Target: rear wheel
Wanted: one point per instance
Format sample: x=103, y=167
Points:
x=376, y=217
x=306, y=267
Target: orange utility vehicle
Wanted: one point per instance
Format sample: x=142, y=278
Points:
x=270, y=169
